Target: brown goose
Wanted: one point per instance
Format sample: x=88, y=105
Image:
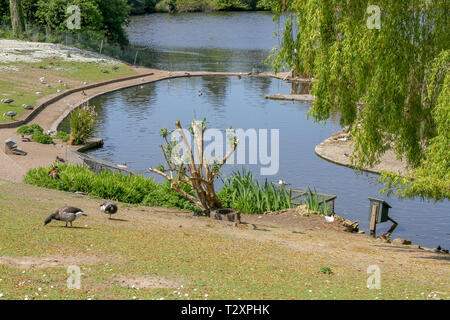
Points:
x=67, y=214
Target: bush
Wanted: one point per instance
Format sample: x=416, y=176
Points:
x=41, y=138
x=63, y=136
x=243, y=193
x=134, y=189
x=30, y=130
x=82, y=122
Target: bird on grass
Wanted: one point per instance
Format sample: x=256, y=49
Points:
x=109, y=208
x=27, y=107
x=10, y=114
x=67, y=214
x=7, y=101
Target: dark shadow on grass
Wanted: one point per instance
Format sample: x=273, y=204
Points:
x=69, y=227
x=116, y=219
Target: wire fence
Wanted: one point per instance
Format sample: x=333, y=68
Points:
x=93, y=42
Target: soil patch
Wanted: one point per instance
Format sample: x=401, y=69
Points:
x=146, y=282
x=29, y=262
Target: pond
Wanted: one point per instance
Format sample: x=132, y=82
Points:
x=130, y=120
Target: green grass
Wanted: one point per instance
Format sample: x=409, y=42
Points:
x=75, y=73
x=208, y=261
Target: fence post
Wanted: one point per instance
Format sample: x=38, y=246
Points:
x=135, y=58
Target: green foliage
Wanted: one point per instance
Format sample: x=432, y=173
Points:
x=41, y=138
x=243, y=193
x=63, y=136
x=325, y=270
x=389, y=70
x=82, y=122
x=432, y=178
x=316, y=204
x=134, y=189
x=31, y=129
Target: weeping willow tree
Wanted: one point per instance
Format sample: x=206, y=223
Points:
x=390, y=57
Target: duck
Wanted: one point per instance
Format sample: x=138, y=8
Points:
x=109, y=208
x=67, y=214
x=7, y=101
x=200, y=93
x=24, y=139
x=54, y=172
x=27, y=107
x=10, y=114
x=59, y=160
x=283, y=183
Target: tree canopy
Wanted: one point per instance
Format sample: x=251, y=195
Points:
x=396, y=71
x=107, y=17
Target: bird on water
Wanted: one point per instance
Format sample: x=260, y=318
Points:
x=109, y=208
x=66, y=214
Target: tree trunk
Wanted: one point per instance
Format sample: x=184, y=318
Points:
x=17, y=22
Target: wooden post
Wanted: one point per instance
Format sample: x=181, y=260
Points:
x=373, y=221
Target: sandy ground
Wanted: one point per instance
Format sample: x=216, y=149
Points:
x=338, y=149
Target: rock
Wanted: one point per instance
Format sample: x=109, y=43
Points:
x=399, y=241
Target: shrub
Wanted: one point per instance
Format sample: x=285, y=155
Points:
x=82, y=122
x=134, y=189
x=63, y=136
x=30, y=130
x=41, y=138
x=243, y=193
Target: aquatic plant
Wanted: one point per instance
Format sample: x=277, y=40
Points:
x=315, y=203
x=82, y=122
x=242, y=192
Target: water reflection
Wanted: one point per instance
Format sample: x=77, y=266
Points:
x=134, y=117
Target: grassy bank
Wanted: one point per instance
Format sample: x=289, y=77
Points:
x=207, y=259
x=20, y=81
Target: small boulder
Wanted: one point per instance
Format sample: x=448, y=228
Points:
x=399, y=241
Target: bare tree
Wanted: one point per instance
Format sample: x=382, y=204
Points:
x=18, y=25
x=194, y=170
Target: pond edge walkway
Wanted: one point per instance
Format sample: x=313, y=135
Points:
x=53, y=109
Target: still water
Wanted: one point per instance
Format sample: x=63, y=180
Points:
x=130, y=120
